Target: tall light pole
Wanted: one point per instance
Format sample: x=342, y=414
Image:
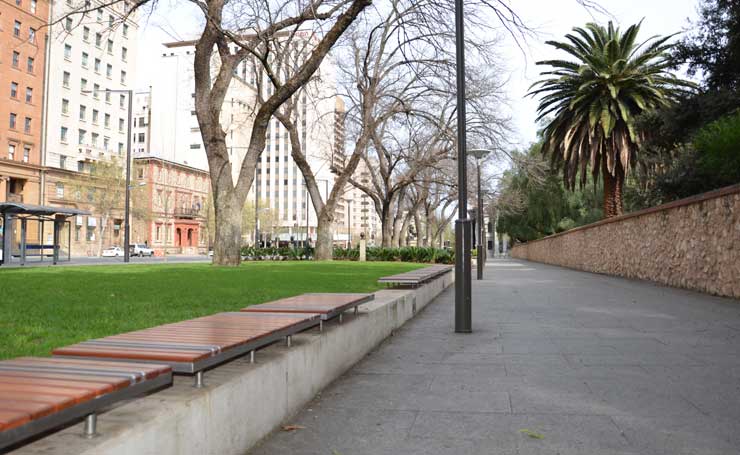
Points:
x=463, y=302
x=127, y=201
x=479, y=154
x=349, y=224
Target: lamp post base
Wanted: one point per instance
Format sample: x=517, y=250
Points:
x=463, y=285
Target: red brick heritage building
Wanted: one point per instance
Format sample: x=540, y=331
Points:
x=178, y=197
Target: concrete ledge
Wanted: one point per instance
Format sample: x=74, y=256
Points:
x=244, y=402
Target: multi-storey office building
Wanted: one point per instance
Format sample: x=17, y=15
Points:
x=92, y=59
x=22, y=58
x=173, y=134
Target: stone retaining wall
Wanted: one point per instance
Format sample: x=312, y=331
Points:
x=692, y=243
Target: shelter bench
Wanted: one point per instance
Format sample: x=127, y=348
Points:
x=40, y=394
x=416, y=278
x=326, y=305
x=194, y=345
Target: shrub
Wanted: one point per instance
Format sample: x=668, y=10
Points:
x=405, y=254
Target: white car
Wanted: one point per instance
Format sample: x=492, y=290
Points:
x=113, y=252
x=139, y=249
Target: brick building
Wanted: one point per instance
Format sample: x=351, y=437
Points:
x=22, y=57
x=178, y=198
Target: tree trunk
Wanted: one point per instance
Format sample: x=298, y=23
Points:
x=613, y=189
x=227, y=242
x=324, y=237
x=386, y=223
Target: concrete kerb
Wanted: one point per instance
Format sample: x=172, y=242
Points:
x=242, y=402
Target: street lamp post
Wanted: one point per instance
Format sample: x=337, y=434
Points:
x=349, y=224
x=479, y=154
x=463, y=303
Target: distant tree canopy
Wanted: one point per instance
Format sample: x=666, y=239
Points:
x=713, y=47
x=534, y=203
x=694, y=146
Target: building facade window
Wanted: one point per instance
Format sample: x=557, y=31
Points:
x=16, y=59
x=65, y=106
x=32, y=35
x=12, y=121
x=26, y=153
x=29, y=95
x=63, y=162
x=11, y=151
x=27, y=125
x=63, y=134
x=83, y=112
x=60, y=190
x=17, y=29
x=29, y=64
x=33, y=6
x=68, y=52
x=65, y=79
x=14, y=90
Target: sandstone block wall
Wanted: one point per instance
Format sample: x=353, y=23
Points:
x=692, y=243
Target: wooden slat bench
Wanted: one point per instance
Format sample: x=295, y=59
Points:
x=40, y=394
x=194, y=345
x=416, y=277
x=326, y=305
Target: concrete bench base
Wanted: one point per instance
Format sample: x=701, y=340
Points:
x=242, y=402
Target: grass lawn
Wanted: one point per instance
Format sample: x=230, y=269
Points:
x=44, y=308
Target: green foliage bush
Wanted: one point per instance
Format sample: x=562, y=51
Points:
x=404, y=254
x=718, y=144
x=276, y=254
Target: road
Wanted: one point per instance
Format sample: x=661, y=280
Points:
x=171, y=259
x=560, y=362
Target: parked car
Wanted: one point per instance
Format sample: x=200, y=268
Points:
x=113, y=252
x=139, y=249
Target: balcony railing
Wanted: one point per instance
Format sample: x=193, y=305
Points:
x=187, y=212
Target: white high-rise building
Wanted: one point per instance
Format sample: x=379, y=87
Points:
x=88, y=54
x=174, y=135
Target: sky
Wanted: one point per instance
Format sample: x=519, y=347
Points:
x=551, y=20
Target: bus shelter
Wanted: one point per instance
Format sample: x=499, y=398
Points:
x=35, y=232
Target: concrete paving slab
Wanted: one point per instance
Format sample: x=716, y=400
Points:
x=594, y=365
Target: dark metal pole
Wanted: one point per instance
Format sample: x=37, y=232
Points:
x=349, y=224
x=256, y=207
x=127, y=209
x=480, y=249
x=463, y=316
x=305, y=241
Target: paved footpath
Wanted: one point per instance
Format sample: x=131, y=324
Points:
x=560, y=362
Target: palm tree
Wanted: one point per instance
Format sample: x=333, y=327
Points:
x=596, y=99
